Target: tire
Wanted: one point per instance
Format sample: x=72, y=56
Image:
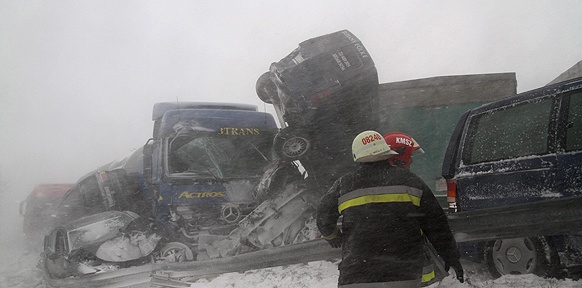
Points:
x=176, y=252
x=291, y=145
x=517, y=256
x=265, y=88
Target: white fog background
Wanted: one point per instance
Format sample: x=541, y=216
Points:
x=78, y=79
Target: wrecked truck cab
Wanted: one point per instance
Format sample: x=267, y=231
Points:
x=205, y=161
x=329, y=83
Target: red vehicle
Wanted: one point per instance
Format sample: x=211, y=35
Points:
x=38, y=206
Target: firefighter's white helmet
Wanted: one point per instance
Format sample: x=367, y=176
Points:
x=370, y=146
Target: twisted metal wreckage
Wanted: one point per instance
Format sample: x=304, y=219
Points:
x=215, y=186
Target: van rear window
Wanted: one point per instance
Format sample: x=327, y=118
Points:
x=509, y=132
x=574, y=129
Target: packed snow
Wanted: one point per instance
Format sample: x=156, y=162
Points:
x=323, y=274
x=21, y=272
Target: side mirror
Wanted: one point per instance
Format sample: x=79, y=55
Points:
x=148, y=151
x=148, y=148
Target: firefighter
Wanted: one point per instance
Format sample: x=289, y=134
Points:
x=386, y=211
x=406, y=147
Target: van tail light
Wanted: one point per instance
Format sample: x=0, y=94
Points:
x=103, y=176
x=452, y=194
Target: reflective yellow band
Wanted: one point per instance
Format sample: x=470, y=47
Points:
x=333, y=235
x=428, y=276
x=382, y=198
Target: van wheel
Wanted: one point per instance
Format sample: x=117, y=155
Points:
x=291, y=145
x=176, y=252
x=517, y=256
x=265, y=88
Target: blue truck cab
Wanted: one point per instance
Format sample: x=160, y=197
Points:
x=205, y=160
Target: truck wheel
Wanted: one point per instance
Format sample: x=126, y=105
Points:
x=176, y=252
x=291, y=145
x=517, y=256
x=265, y=88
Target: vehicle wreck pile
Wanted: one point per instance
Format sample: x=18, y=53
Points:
x=221, y=179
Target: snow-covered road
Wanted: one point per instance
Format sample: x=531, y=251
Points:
x=21, y=272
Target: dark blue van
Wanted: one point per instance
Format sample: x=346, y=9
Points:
x=519, y=150
x=324, y=93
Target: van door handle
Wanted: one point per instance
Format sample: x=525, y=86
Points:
x=547, y=164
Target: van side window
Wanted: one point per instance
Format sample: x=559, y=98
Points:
x=574, y=130
x=509, y=132
x=60, y=243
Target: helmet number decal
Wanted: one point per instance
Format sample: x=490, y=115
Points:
x=371, y=138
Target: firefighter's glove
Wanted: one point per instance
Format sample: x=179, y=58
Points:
x=456, y=265
x=334, y=240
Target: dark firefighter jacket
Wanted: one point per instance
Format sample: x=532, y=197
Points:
x=385, y=209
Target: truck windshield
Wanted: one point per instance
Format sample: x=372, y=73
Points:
x=218, y=156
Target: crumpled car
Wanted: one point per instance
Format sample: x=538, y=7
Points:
x=99, y=242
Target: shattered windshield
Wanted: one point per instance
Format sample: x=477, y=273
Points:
x=218, y=156
x=97, y=232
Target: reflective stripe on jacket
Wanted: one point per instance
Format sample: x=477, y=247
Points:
x=379, y=195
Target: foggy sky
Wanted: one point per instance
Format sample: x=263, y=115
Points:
x=78, y=79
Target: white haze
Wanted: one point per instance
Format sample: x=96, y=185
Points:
x=78, y=79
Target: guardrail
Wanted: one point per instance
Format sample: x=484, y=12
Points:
x=168, y=274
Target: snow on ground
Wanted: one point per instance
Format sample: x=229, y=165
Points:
x=21, y=272
x=323, y=274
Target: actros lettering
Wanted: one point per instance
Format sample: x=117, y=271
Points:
x=234, y=131
x=192, y=195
